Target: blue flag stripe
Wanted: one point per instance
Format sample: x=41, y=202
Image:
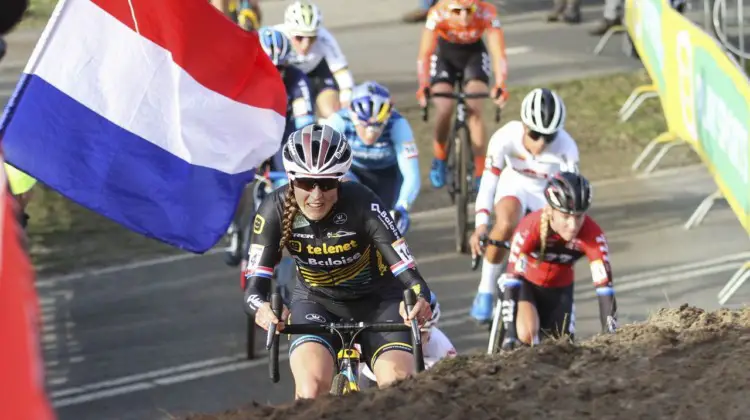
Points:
x=117, y=173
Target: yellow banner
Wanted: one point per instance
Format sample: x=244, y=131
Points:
x=705, y=95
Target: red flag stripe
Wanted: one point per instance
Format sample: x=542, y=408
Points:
x=214, y=51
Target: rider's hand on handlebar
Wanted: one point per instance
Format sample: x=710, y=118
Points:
x=500, y=95
x=401, y=216
x=265, y=316
x=422, y=96
x=476, y=247
x=421, y=312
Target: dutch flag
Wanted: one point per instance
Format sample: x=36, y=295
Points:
x=150, y=112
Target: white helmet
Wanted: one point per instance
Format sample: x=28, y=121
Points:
x=303, y=18
x=316, y=151
x=543, y=111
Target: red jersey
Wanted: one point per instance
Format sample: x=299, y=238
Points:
x=557, y=268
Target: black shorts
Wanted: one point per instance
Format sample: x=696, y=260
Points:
x=450, y=59
x=321, y=79
x=306, y=308
x=385, y=183
x=554, y=306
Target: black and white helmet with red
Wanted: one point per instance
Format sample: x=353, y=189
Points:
x=316, y=151
x=568, y=192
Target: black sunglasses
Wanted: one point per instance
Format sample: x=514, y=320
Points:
x=308, y=184
x=548, y=138
x=300, y=38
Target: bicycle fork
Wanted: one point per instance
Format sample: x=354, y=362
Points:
x=350, y=368
x=496, y=329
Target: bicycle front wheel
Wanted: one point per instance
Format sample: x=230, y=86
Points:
x=496, y=331
x=340, y=385
x=463, y=155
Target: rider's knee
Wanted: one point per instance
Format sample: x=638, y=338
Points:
x=474, y=110
x=309, y=388
x=311, y=362
x=503, y=228
x=328, y=102
x=393, y=366
x=526, y=335
x=443, y=109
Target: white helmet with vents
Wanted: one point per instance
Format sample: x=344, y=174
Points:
x=543, y=111
x=316, y=151
x=303, y=18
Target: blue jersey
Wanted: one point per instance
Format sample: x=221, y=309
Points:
x=394, y=147
x=299, y=111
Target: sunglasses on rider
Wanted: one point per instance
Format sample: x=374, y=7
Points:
x=468, y=10
x=547, y=138
x=370, y=126
x=308, y=184
x=300, y=38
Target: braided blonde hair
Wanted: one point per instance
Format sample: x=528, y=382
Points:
x=544, y=232
x=287, y=219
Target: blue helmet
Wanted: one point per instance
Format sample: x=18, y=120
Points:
x=371, y=103
x=275, y=44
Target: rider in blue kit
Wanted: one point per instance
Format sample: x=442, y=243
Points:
x=300, y=111
x=383, y=148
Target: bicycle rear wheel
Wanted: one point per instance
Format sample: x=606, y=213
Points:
x=462, y=155
x=241, y=232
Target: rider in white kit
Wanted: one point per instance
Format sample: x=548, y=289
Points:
x=521, y=156
x=316, y=52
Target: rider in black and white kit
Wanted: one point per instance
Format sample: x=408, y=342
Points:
x=352, y=263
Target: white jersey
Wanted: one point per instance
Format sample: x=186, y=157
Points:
x=325, y=48
x=511, y=170
x=438, y=348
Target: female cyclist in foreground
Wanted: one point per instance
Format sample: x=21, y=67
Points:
x=538, y=286
x=352, y=263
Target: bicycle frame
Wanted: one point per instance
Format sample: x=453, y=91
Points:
x=497, y=331
x=460, y=159
x=348, y=359
x=348, y=363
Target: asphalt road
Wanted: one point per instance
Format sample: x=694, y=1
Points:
x=140, y=342
x=163, y=338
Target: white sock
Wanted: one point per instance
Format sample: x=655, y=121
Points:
x=490, y=273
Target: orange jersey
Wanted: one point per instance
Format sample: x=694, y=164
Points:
x=444, y=23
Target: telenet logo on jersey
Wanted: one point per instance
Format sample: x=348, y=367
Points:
x=332, y=249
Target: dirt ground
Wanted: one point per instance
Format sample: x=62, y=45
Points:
x=681, y=363
x=66, y=237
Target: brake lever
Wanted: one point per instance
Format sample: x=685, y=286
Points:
x=475, y=258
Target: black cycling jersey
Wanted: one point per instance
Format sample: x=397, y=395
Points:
x=354, y=252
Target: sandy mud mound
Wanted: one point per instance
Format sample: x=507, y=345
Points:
x=682, y=363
